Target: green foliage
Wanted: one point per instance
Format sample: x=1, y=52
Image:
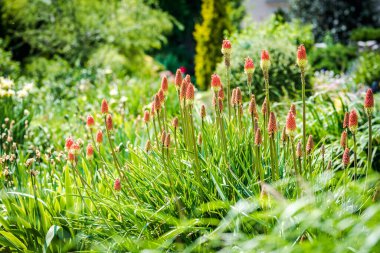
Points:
x=208, y=36
x=337, y=17
x=8, y=67
x=368, y=68
x=335, y=57
x=281, y=39
x=82, y=30
x=365, y=34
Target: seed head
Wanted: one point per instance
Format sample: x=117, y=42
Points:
x=293, y=109
x=249, y=67
x=146, y=116
x=346, y=157
x=104, y=107
x=345, y=120
x=272, y=124
x=117, y=185
x=163, y=137
x=99, y=137
x=190, y=94
x=233, y=97
x=291, y=125
x=109, y=124
x=264, y=107
x=301, y=57
x=90, y=121
x=89, y=152
x=216, y=84
x=164, y=84
x=265, y=60
x=226, y=47
x=203, y=111
x=369, y=102
x=175, y=123
x=343, y=139
x=299, y=150
x=309, y=145
x=178, y=79
x=353, y=121
x=199, y=139
x=69, y=143
x=258, y=137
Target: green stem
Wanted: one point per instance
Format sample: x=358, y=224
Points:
x=355, y=158
x=303, y=119
x=228, y=92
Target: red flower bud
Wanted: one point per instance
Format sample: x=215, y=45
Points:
x=353, y=121
x=265, y=60
x=220, y=104
x=301, y=57
x=178, y=79
x=299, y=150
x=117, y=185
x=272, y=124
x=175, y=122
x=183, y=90
x=343, y=139
x=157, y=103
x=161, y=96
x=293, y=109
x=163, y=137
x=264, y=106
x=190, y=94
x=309, y=145
x=69, y=143
x=146, y=116
x=109, y=124
x=89, y=152
x=252, y=107
x=216, y=84
x=345, y=120
x=75, y=148
x=249, y=67
x=188, y=78
x=226, y=47
x=164, y=84
x=258, y=137
x=369, y=102
x=291, y=125
x=221, y=94
x=234, y=98
x=167, y=140
x=346, y=157
x=90, y=121
x=239, y=97
x=104, y=107
x=203, y=111
x=99, y=137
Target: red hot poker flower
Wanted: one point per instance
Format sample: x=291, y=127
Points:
x=69, y=143
x=190, y=94
x=203, y=111
x=109, y=124
x=221, y=94
x=104, y=107
x=265, y=60
x=164, y=84
x=90, y=121
x=89, y=152
x=183, y=90
x=175, y=122
x=291, y=125
x=369, y=102
x=226, y=47
x=178, y=79
x=345, y=120
x=249, y=67
x=346, y=157
x=146, y=116
x=293, y=109
x=99, y=137
x=301, y=56
x=117, y=185
x=343, y=139
x=216, y=84
x=309, y=145
x=272, y=124
x=353, y=121
x=258, y=137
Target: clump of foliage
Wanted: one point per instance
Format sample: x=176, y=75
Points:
x=365, y=34
x=336, y=17
x=334, y=57
x=281, y=40
x=198, y=178
x=208, y=34
x=84, y=31
x=368, y=68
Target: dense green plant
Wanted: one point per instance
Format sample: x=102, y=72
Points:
x=83, y=30
x=8, y=67
x=208, y=36
x=334, y=57
x=368, y=68
x=336, y=17
x=365, y=34
x=281, y=40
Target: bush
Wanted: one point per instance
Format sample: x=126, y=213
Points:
x=217, y=17
x=338, y=17
x=335, y=57
x=281, y=39
x=8, y=67
x=368, y=68
x=365, y=34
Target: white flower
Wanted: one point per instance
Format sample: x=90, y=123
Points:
x=6, y=83
x=113, y=92
x=10, y=93
x=28, y=86
x=2, y=93
x=22, y=93
x=26, y=112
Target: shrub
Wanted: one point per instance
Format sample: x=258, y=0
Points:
x=281, y=39
x=365, y=34
x=368, y=68
x=208, y=36
x=335, y=57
